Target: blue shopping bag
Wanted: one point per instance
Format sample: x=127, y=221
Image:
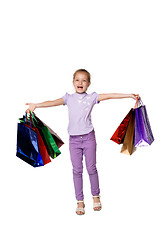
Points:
x=27, y=145
x=143, y=132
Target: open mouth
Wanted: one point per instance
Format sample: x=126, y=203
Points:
x=80, y=87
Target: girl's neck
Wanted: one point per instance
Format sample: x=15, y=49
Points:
x=81, y=93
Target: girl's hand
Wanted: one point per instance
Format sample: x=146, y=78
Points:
x=135, y=96
x=32, y=107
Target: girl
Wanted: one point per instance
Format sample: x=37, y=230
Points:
x=82, y=136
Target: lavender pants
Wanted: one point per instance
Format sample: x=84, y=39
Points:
x=80, y=145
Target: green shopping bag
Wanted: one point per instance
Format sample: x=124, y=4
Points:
x=48, y=140
x=50, y=144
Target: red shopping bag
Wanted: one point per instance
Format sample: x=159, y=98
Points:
x=42, y=148
x=120, y=132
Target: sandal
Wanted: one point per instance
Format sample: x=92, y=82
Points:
x=80, y=210
x=97, y=206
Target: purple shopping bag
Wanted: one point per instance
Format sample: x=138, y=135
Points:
x=143, y=132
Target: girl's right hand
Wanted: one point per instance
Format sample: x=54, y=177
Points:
x=32, y=107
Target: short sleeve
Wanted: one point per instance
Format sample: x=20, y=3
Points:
x=65, y=98
x=95, y=98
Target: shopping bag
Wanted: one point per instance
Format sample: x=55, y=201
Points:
x=27, y=145
x=42, y=148
x=143, y=132
x=128, y=143
x=47, y=137
x=119, y=134
x=57, y=139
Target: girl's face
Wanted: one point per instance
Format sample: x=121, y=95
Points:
x=81, y=82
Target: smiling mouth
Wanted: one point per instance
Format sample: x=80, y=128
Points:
x=80, y=87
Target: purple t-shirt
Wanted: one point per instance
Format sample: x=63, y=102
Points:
x=79, y=108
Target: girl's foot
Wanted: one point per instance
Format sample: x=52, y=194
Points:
x=96, y=203
x=80, y=208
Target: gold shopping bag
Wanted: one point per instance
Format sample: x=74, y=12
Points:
x=128, y=144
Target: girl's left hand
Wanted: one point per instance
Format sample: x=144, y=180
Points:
x=135, y=96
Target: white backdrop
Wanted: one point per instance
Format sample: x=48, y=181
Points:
x=42, y=43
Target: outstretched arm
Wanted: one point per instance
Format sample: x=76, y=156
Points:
x=107, y=96
x=33, y=106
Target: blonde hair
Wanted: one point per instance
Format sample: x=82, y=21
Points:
x=85, y=71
